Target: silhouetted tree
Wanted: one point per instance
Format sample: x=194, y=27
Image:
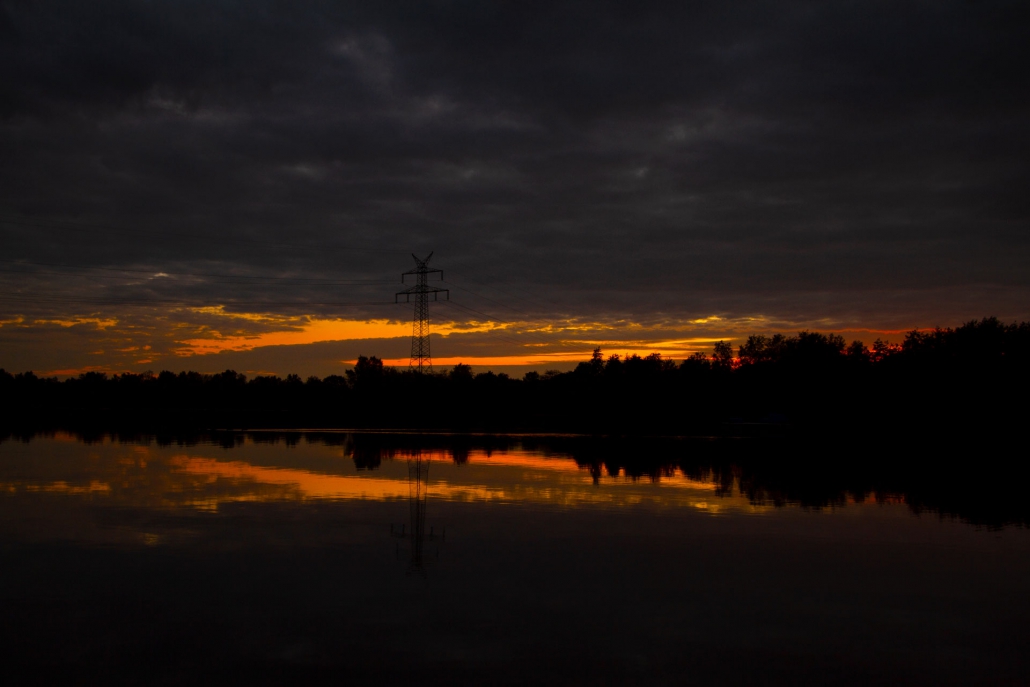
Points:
x=722, y=355
x=461, y=373
x=365, y=371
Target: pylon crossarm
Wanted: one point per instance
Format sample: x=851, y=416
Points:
x=407, y=293
x=419, y=270
x=422, y=288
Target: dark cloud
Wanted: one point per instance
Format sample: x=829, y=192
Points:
x=850, y=162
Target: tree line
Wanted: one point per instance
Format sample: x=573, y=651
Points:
x=963, y=380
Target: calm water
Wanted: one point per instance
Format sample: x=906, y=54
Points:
x=358, y=560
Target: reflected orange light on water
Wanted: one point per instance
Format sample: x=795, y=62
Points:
x=535, y=479
x=544, y=463
x=523, y=460
x=202, y=479
x=313, y=485
x=306, y=484
x=62, y=487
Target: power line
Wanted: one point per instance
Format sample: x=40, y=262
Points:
x=532, y=300
x=65, y=225
x=532, y=337
x=490, y=332
x=98, y=278
x=493, y=333
x=157, y=282
x=182, y=302
x=152, y=273
x=503, y=305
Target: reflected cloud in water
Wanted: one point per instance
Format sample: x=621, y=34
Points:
x=288, y=558
x=208, y=476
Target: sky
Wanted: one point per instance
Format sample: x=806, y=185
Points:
x=214, y=185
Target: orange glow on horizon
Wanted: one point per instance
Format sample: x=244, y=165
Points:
x=532, y=359
x=538, y=359
x=178, y=339
x=76, y=371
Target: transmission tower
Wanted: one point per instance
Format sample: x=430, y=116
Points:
x=421, y=361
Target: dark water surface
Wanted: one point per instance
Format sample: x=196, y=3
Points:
x=344, y=559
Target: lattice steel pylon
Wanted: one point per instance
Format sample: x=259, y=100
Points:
x=421, y=360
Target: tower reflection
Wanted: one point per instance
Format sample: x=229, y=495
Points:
x=418, y=493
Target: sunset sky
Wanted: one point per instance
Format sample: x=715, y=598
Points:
x=213, y=185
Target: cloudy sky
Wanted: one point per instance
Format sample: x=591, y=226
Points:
x=205, y=185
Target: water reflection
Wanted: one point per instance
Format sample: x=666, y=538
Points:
x=264, y=558
x=206, y=476
x=208, y=471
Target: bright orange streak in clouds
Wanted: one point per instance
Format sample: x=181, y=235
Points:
x=311, y=332
x=308, y=332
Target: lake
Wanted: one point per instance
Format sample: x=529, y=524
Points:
x=342, y=558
